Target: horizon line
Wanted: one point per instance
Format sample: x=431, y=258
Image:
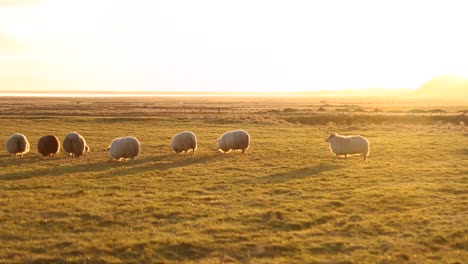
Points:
x=391, y=90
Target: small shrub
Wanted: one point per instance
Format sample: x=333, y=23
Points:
x=437, y=111
x=342, y=110
x=288, y=110
x=416, y=111
x=377, y=110
x=321, y=109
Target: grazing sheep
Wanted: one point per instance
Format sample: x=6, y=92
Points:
x=17, y=144
x=124, y=148
x=234, y=140
x=183, y=142
x=48, y=145
x=75, y=145
x=346, y=145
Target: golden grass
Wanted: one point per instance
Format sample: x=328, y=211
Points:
x=285, y=201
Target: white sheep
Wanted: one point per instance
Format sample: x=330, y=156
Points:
x=348, y=145
x=17, y=144
x=234, y=140
x=124, y=148
x=183, y=142
x=75, y=145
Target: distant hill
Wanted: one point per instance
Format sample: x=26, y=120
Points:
x=445, y=87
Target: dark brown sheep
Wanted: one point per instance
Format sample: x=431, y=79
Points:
x=48, y=145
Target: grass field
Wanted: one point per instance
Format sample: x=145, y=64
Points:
x=284, y=201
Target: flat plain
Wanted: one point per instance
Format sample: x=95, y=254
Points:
x=284, y=201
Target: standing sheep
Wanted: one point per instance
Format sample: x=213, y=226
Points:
x=17, y=144
x=234, y=140
x=75, y=145
x=183, y=142
x=48, y=145
x=124, y=148
x=346, y=145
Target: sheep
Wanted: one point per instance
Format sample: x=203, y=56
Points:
x=183, y=142
x=17, y=144
x=124, y=148
x=346, y=145
x=234, y=140
x=75, y=145
x=48, y=145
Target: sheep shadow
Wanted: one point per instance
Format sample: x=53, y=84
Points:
x=296, y=174
x=158, y=164
x=182, y=162
x=6, y=160
x=33, y=158
x=54, y=171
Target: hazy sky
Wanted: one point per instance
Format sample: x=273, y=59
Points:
x=229, y=45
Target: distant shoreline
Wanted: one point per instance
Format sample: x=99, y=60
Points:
x=323, y=93
x=278, y=95
x=90, y=95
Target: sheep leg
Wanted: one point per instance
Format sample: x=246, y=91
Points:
x=346, y=156
x=243, y=151
x=336, y=156
x=365, y=157
x=185, y=153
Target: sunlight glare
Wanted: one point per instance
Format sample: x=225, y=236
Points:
x=243, y=46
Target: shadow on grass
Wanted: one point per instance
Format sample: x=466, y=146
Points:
x=55, y=170
x=292, y=175
x=157, y=165
x=7, y=160
x=33, y=158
